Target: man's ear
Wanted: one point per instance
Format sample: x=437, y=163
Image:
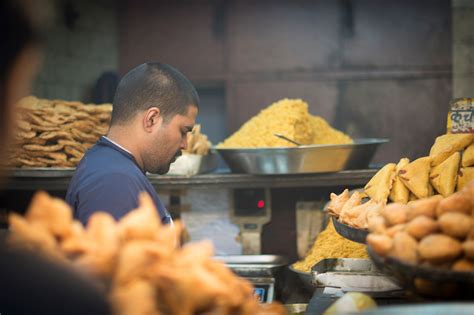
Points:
x=152, y=119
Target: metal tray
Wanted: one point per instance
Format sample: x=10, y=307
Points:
x=302, y=159
x=349, y=232
x=447, y=284
x=305, y=277
x=352, y=274
x=43, y=172
x=254, y=265
x=343, y=265
x=426, y=309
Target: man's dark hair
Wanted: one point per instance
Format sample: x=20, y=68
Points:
x=153, y=84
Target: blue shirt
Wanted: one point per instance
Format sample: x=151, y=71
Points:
x=109, y=179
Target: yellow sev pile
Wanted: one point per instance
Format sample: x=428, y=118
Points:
x=289, y=117
x=329, y=244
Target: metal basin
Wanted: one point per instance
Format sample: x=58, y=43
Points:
x=302, y=159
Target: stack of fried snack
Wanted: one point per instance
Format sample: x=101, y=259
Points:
x=56, y=133
x=288, y=117
x=197, y=142
x=448, y=168
x=433, y=231
x=146, y=268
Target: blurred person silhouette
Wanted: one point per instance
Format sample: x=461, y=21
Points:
x=30, y=284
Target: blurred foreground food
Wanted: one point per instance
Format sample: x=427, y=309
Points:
x=140, y=261
x=290, y=118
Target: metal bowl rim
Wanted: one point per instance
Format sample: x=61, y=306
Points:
x=357, y=142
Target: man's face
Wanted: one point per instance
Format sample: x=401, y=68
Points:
x=167, y=143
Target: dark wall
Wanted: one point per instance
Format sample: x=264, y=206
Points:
x=372, y=68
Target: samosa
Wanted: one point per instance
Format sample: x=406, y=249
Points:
x=416, y=176
x=378, y=188
x=400, y=193
x=443, y=176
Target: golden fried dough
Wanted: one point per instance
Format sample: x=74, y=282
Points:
x=468, y=156
x=416, y=176
x=52, y=213
x=381, y=244
x=404, y=248
x=354, y=200
x=447, y=144
x=463, y=264
x=400, y=193
x=43, y=148
x=395, y=213
x=465, y=175
x=135, y=297
x=378, y=188
x=425, y=207
x=468, y=248
x=391, y=231
x=337, y=202
x=457, y=202
x=443, y=176
x=455, y=224
x=421, y=226
x=439, y=248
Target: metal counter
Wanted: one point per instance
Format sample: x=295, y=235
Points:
x=56, y=179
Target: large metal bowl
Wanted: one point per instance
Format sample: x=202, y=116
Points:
x=302, y=159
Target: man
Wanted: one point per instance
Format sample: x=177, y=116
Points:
x=154, y=108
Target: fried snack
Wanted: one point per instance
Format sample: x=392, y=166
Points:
x=395, y=213
x=455, y=224
x=329, y=244
x=391, y=231
x=378, y=188
x=447, y=144
x=34, y=237
x=354, y=200
x=399, y=192
x=404, y=248
x=468, y=156
x=135, y=297
x=439, y=248
x=443, y=176
x=355, y=216
x=325, y=134
x=197, y=143
x=465, y=175
x=337, y=202
x=141, y=223
x=463, y=264
x=290, y=118
x=51, y=213
x=457, y=202
x=421, y=226
x=147, y=267
x=42, y=148
x=381, y=244
x=423, y=207
x=56, y=126
x=416, y=176
x=468, y=248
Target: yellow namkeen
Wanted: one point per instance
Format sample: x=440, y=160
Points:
x=289, y=117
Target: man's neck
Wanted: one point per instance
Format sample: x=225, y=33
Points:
x=121, y=136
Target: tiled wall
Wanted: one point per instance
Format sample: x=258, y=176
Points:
x=81, y=46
